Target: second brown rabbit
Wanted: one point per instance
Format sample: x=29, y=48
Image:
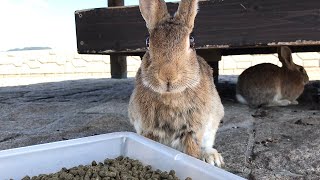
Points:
x=269, y=85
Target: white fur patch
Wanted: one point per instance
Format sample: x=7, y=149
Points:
x=278, y=96
x=137, y=126
x=241, y=99
x=148, y=85
x=176, y=144
x=208, y=136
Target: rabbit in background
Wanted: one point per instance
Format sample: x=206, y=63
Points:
x=269, y=85
x=175, y=101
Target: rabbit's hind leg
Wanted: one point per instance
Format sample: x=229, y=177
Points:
x=282, y=102
x=278, y=101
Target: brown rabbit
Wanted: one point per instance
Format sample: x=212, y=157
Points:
x=175, y=101
x=269, y=85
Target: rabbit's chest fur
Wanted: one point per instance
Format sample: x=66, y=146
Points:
x=181, y=111
x=171, y=115
x=174, y=115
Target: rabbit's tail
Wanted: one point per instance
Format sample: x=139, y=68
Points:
x=241, y=99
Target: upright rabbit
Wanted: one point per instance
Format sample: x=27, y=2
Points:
x=175, y=101
x=269, y=85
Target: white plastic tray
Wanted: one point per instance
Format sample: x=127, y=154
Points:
x=51, y=157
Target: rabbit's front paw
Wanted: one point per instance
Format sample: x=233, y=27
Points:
x=294, y=102
x=211, y=156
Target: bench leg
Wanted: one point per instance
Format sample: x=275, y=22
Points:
x=118, y=63
x=118, y=66
x=212, y=57
x=215, y=67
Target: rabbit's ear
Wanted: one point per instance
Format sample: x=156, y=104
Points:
x=187, y=12
x=153, y=12
x=284, y=54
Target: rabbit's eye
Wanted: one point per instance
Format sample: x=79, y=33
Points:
x=192, y=43
x=301, y=69
x=147, y=43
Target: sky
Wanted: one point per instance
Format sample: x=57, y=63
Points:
x=44, y=23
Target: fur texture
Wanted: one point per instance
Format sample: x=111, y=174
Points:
x=175, y=101
x=269, y=85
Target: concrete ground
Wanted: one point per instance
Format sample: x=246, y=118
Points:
x=266, y=143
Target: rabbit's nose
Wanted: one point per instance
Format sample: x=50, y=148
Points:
x=168, y=80
x=168, y=75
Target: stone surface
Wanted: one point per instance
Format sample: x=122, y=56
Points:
x=266, y=143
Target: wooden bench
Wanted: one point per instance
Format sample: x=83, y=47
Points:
x=222, y=27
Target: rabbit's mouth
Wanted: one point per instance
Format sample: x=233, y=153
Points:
x=171, y=88
x=167, y=88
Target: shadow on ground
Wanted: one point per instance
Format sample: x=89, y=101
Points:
x=266, y=143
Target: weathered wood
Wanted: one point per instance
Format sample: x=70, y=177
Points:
x=112, y=3
x=118, y=63
x=229, y=25
x=268, y=50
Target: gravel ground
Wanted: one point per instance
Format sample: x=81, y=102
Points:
x=266, y=143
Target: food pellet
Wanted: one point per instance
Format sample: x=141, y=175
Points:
x=122, y=168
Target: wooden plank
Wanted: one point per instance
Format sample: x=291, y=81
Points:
x=228, y=25
x=265, y=49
